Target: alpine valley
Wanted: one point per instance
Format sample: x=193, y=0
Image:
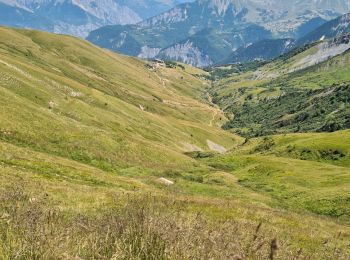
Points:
x=108, y=156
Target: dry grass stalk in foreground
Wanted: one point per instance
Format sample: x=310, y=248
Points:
x=136, y=228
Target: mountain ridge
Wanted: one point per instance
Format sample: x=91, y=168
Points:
x=78, y=17
x=272, y=48
x=331, y=29
x=233, y=24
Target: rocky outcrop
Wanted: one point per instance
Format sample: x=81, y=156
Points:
x=148, y=52
x=325, y=51
x=187, y=53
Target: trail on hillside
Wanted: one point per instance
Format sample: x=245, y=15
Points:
x=216, y=111
x=176, y=103
x=160, y=79
x=213, y=118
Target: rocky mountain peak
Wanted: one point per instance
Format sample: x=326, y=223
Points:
x=79, y=17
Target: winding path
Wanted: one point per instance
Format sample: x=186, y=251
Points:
x=216, y=111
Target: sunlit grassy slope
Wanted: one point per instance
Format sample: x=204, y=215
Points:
x=299, y=171
x=83, y=129
x=64, y=96
x=234, y=196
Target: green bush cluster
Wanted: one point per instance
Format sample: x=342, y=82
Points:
x=322, y=110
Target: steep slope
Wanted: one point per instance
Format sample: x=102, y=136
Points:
x=183, y=31
x=64, y=96
x=304, y=90
x=19, y=17
x=207, y=31
x=77, y=204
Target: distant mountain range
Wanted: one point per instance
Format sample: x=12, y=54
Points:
x=205, y=32
x=201, y=33
x=78, y=17
x=331, y=29
x=272, y=48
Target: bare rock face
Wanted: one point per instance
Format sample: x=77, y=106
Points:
x=175, y=15
x=187, y=53
x=325, y=51
x=148, y=52
x=216, y=147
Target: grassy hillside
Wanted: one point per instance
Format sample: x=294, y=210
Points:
x=299, y=171
x=49, y=200
x=86, y=135
x=302, y=91
x=332, y=148
x=63, y=96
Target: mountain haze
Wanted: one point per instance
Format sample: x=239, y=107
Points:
x=272, y=48
x=77, y=17
x=149, y=8
x=331, y=29
x=206, y=31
